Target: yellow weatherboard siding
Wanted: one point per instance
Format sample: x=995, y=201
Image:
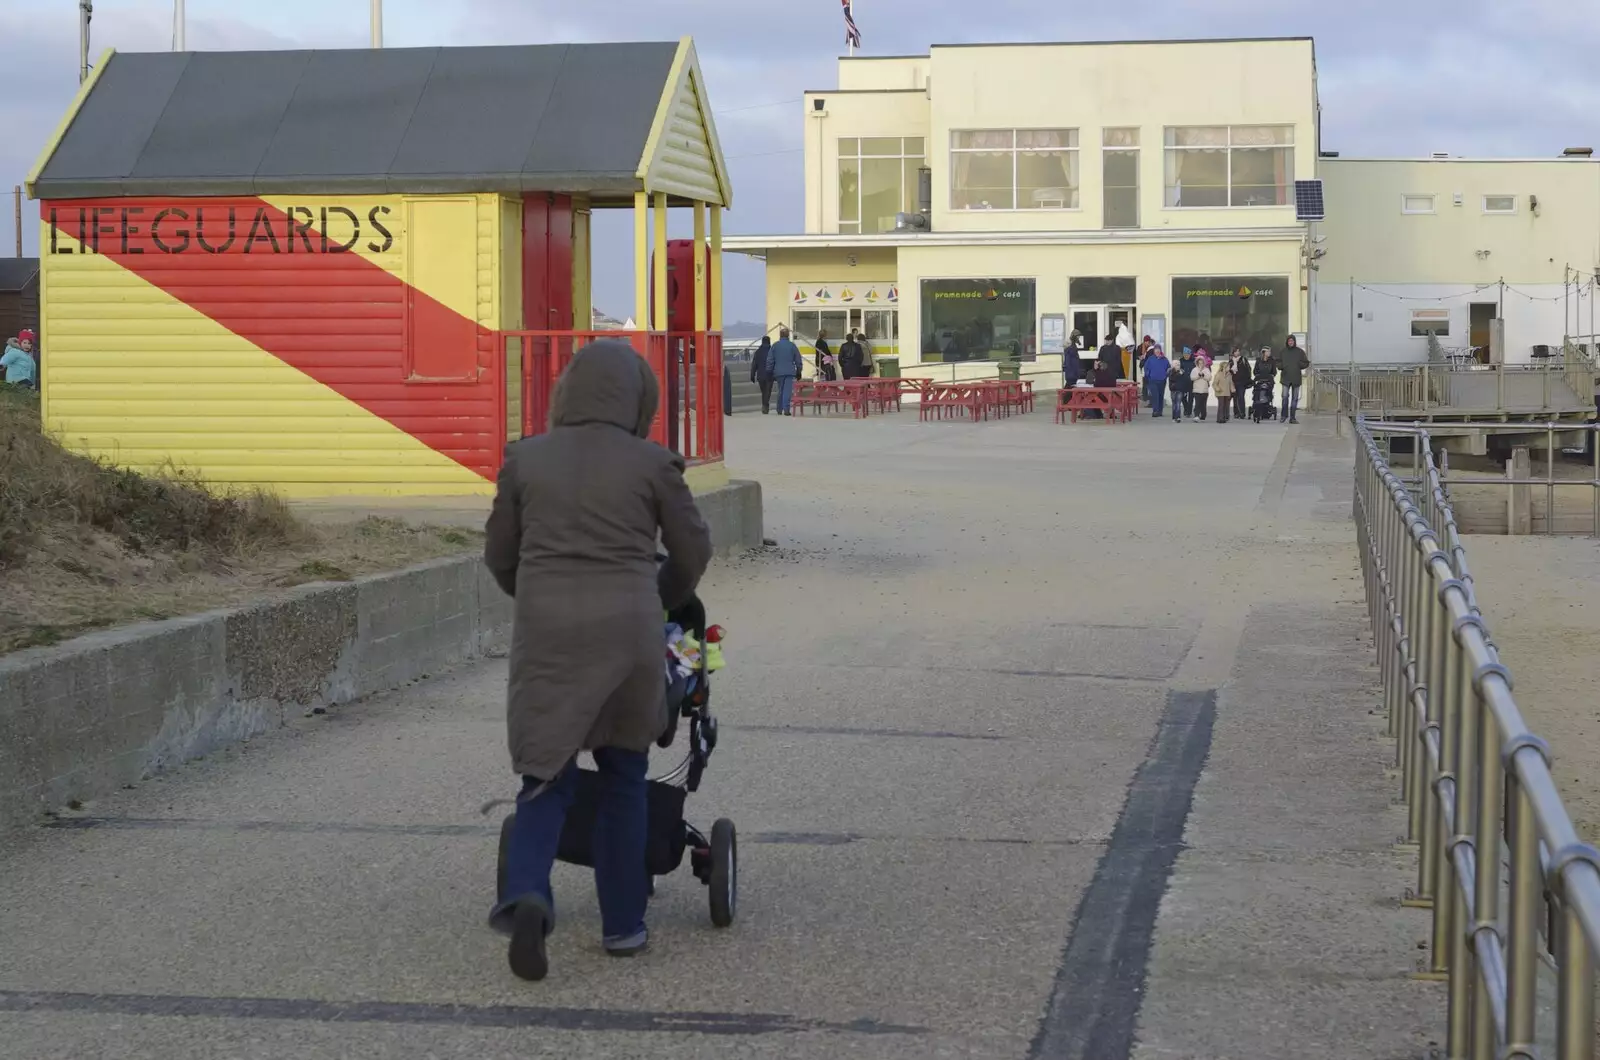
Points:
x=472, y=233
x=146, y=381
x=682, y=156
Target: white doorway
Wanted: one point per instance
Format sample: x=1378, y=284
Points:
x=1098, y=323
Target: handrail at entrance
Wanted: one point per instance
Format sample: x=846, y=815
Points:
x=687, y=366
x=1472, y=774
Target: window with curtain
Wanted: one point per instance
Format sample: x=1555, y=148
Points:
x=1119, y=162
x=877, y=180
x=1014, y=169
x=1223, y=165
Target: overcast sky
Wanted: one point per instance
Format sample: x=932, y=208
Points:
x=1398, y=77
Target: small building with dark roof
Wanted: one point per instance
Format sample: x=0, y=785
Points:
x=19, y=296
x=356, y=272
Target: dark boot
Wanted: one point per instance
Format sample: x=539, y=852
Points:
x=530, y=927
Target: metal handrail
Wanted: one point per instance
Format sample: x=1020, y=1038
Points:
x=1472, y=774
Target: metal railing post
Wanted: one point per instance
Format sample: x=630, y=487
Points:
x=1522, y=926
x=1444, y=710
x=1463, y=969
x=1575, y=990
x=1486, y=881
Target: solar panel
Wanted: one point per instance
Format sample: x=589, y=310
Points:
x=1308, y=201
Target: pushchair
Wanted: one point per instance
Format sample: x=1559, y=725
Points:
x=1261, y=406
x=713, y=858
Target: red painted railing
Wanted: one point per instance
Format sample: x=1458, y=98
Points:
x=688, y=367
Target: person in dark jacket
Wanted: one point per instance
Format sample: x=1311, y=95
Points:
x=761, y=372
x=851, y=356
x=1292, y=365
x=1180, y=381
x=1110, y=355
x=1072, y=360
x=1243, y=380
x=572, y=538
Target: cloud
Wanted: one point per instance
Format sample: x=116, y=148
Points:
x=1397, y=78
x=49, y=40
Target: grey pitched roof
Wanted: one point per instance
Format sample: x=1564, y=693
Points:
x=548, y=117
x=16, y=272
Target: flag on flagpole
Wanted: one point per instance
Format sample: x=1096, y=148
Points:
x=852, y=33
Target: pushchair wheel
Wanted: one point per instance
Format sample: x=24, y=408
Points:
x=724, y=881
x=500, y=861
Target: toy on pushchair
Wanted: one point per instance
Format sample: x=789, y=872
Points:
x=693, y=653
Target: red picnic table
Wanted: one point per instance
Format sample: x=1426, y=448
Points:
x=1118, y=404
x=861, y=396
x=977, y=399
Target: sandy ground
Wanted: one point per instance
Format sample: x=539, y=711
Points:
x=1541, y=597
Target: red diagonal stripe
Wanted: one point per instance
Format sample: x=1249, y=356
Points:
x=295, y=285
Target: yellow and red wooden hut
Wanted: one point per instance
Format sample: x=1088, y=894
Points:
x=356, y=273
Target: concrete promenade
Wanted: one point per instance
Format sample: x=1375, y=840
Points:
x=1041, y=741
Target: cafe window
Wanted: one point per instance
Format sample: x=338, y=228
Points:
x=1224, y=311
x=1425, y=322
x=1119, y=164
x=1229, y=165
x=879, y=325
x=979, y=320
x=877, y=180
x=1014, y=169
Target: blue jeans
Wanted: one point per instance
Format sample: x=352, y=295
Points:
x=785, y=393
x=1157, y=391
x=1291, y=403
x=618, y=843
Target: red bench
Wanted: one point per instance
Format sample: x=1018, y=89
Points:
x=1111, y=402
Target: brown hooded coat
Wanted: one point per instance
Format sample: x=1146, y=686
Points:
x=572, y=537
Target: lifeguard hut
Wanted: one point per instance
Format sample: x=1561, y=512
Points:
x=358, y=273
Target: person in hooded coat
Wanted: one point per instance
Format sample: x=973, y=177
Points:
x=1292, y=365
x=761, y=372
x=572, y=539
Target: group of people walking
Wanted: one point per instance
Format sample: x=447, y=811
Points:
x=1195, y=377
x=775, y=366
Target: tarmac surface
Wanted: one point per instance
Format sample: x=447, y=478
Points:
x=1041, y=742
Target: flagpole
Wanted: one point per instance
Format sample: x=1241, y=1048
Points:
x=852, y=41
